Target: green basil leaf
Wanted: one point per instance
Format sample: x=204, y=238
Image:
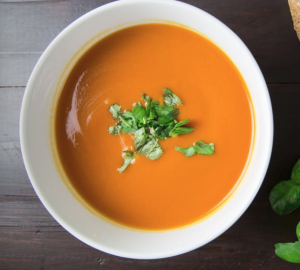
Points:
x=115, y=130
x=128, y=126
x=170, y=98
x=188, y=151
x=139, y=113
x=285, y=197
x=140, y=138
x=162, y=132
x=128, y=130
x=298, y=231
x=166, y=111
x=128, y=158
x=180, y=130
x=128, y=116
x=154, y=103
x=151, y=112
x=147, y=100
x=130, y=153
x=296, y=173
x=161, y=136
x=288, y=251
x=165, y=120
x=204, y=148
x=151, y=149
x=115, y=110
x=181, y=123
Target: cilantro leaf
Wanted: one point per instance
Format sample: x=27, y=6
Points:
x=204, y=148
x=128, y=158
x=166, y=111
x=115, y=110
x=151, y=149
x=164, y=120
x=162, y=132
x=181, y=123
x=130, y=119
x=140, y=138
x=152, y=111
x=170, y=98
x=188, y=151
x=139, y=114
x=115, y=130
x=198, y=147
x=180, y=130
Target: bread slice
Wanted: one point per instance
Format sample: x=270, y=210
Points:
x=295, y=11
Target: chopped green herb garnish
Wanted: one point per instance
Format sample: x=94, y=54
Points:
x=198, y=148
x=115, y=130
x=139, y=113
x=188, y=151
x=151, y=149
x=115, y=111
x=204, y=148
x=128, y=158
x=180, y=130
x=151, y=123
x=140, y=138
x=170, y=98
x=166, y=111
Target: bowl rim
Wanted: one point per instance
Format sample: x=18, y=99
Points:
x=25, y=104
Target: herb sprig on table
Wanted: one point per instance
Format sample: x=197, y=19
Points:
x=285, y=198
x=151, y=123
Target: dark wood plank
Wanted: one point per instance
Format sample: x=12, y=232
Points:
x=264, y=26
x=24, y=211
x=247, y=245
x=17, y=68
x=13, y=177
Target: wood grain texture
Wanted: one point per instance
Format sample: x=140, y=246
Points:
x=31, y=239
x=13, y=177
x=265, y=26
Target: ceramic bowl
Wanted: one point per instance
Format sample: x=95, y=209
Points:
x=36, y=132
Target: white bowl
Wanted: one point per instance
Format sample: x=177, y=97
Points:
x=35, y=132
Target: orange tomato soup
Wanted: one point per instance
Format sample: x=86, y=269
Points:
x=174, y=190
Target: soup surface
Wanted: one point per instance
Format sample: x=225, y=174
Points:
x=174, y=190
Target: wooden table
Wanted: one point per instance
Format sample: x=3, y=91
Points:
x=31, y=239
